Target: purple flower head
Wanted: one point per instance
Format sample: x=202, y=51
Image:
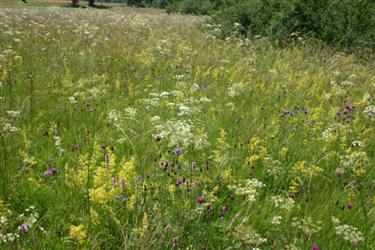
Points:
x=158, y=138
x=48, y=173
x=175, y=241
x=183, y=178
x=350, y=205
x=178, y=181
x=344, y=111
x=315, y=247
x=351, y=107
x=114, y=181
x=53, y=169
x=122, y=183
x=338, y=112
x=24, y=228
x=177, y=150
x=224, y=209
x=201, y=199
x=305, y=110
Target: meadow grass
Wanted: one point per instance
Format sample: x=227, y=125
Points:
x=134, y=129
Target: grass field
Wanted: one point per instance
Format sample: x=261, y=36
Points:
x=133, y=129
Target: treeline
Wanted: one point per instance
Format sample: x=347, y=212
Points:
x=344, y=23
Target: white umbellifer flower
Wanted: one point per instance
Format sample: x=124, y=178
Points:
x=347, y=232
x=155, y=118
x=131, y=112
x=327, y=96
x=366, y=98
x=328, y=134
x=276, y=220
x=13, y=114
x=283, y=203
x=72, y=100
x=249, y=189
x=370, y=111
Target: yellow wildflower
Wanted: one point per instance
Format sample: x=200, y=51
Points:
x=78, y=233
x=99, y=195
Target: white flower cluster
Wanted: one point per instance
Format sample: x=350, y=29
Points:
x=307, y=225
x=22, y=223
x=248, y=189
x=282, y=202
x=181, y=133
x=355, y=162
x=347, y=232
x=370, y=111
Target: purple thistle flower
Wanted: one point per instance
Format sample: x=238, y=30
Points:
x=315, y=247
x=224, y=210
x=48, y=173
x=350, y=205
x=122, y=183
x=53, y=169
x=114, y=181
x=177, y=150
x=201, y=199
x=24, y=228
x=338, y=112
x=178, y=181
x=351, y=107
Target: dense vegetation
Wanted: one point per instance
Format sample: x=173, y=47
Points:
x=133, y=129
x=342, y=23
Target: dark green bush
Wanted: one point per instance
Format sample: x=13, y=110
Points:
x=201, y=7
x=345, y=23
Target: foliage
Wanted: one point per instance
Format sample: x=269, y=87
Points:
x=340, y=23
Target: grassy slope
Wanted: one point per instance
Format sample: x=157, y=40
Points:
x=110, y=60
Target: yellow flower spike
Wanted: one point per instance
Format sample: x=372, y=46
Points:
x=253, y=159
x=130, y=203
x=98, y=195
x=94, y=217
x=34, y=183
x=284, y=151
x=78, y=233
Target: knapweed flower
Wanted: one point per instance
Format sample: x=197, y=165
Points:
x=50, y=171
x=224, y=210
x=350, y=205
x=201, y=199
x=315, y=247
x=177, y=150
x=24, y=228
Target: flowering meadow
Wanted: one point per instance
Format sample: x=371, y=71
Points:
x=134, y=129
